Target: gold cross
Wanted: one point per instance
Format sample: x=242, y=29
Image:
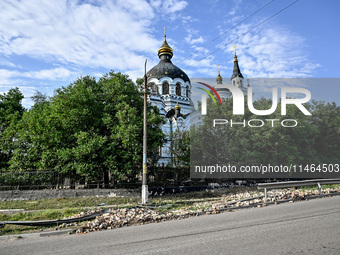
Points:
x=164, y=31
x=218, y=66
x=234, y=49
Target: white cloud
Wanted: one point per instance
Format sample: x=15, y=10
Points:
x=169, y=6
x=100, y=35
x=88, y=36
x=7, y=63
x=47, y=74
x=197, y=40
x=191, y=40
x=271, y=51
x=51, y=74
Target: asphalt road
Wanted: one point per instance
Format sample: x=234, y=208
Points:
x=308, y=227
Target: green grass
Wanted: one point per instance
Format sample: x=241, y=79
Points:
x=59, y=203
x=314, y=187
x=14, y=229
x=51, y=214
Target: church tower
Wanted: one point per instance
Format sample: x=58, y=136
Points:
x=237, y=79
x=220, y=87
x=170, y=90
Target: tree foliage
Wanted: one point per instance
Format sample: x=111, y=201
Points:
x=88, y=128
x=11, y=111
x=316, y=138
x=179, y=147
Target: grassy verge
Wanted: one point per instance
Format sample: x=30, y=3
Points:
x=60, y=203
x=50, y=214
x=323, y=187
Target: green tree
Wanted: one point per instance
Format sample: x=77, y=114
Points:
x=326, y=121
x=89, y=128
x=180, y=147
x=314, y=140
x=11, y=111
x=180, y=150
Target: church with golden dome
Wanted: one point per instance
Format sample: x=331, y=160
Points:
x=170, y=89
x=170, y=92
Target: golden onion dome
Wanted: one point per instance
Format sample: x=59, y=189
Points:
x=165, y=49
x=177, y=106
x=219, y=79
x=165, y=67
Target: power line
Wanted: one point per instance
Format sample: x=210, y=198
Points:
x=204, y=46
x=261, y=23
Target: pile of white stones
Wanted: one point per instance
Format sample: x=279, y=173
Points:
x=116, y=218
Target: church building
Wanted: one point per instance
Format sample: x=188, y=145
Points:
x=171, y=92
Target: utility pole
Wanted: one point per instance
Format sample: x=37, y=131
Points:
x=145, y=191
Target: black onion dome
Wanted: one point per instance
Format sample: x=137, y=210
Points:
x=165, y=67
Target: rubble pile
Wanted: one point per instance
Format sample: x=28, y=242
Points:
x=116, y=218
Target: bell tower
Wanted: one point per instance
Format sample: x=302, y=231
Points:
x=237, y=77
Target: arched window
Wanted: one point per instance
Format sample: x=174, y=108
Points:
x=178, y=89
x=154, y=88
x=187, y=91
x=165, y=88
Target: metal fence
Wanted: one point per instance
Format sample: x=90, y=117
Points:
x=48, y=179
x=276, y=185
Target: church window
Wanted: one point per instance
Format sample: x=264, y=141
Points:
x=178, y=89
x=154, y=88
x=165, y=88
x=187, y=91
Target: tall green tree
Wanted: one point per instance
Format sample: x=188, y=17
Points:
x=89, y=128
x=11, y=111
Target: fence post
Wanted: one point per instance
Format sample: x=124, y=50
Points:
x=57, y=186
x=18, y=181
x=319, y=186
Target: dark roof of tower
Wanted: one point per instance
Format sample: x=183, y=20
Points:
x=165, y=67
x=236, y=71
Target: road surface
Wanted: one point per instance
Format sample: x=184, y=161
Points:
x=307, y=227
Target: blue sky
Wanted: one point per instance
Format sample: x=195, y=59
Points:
x=48, y=44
